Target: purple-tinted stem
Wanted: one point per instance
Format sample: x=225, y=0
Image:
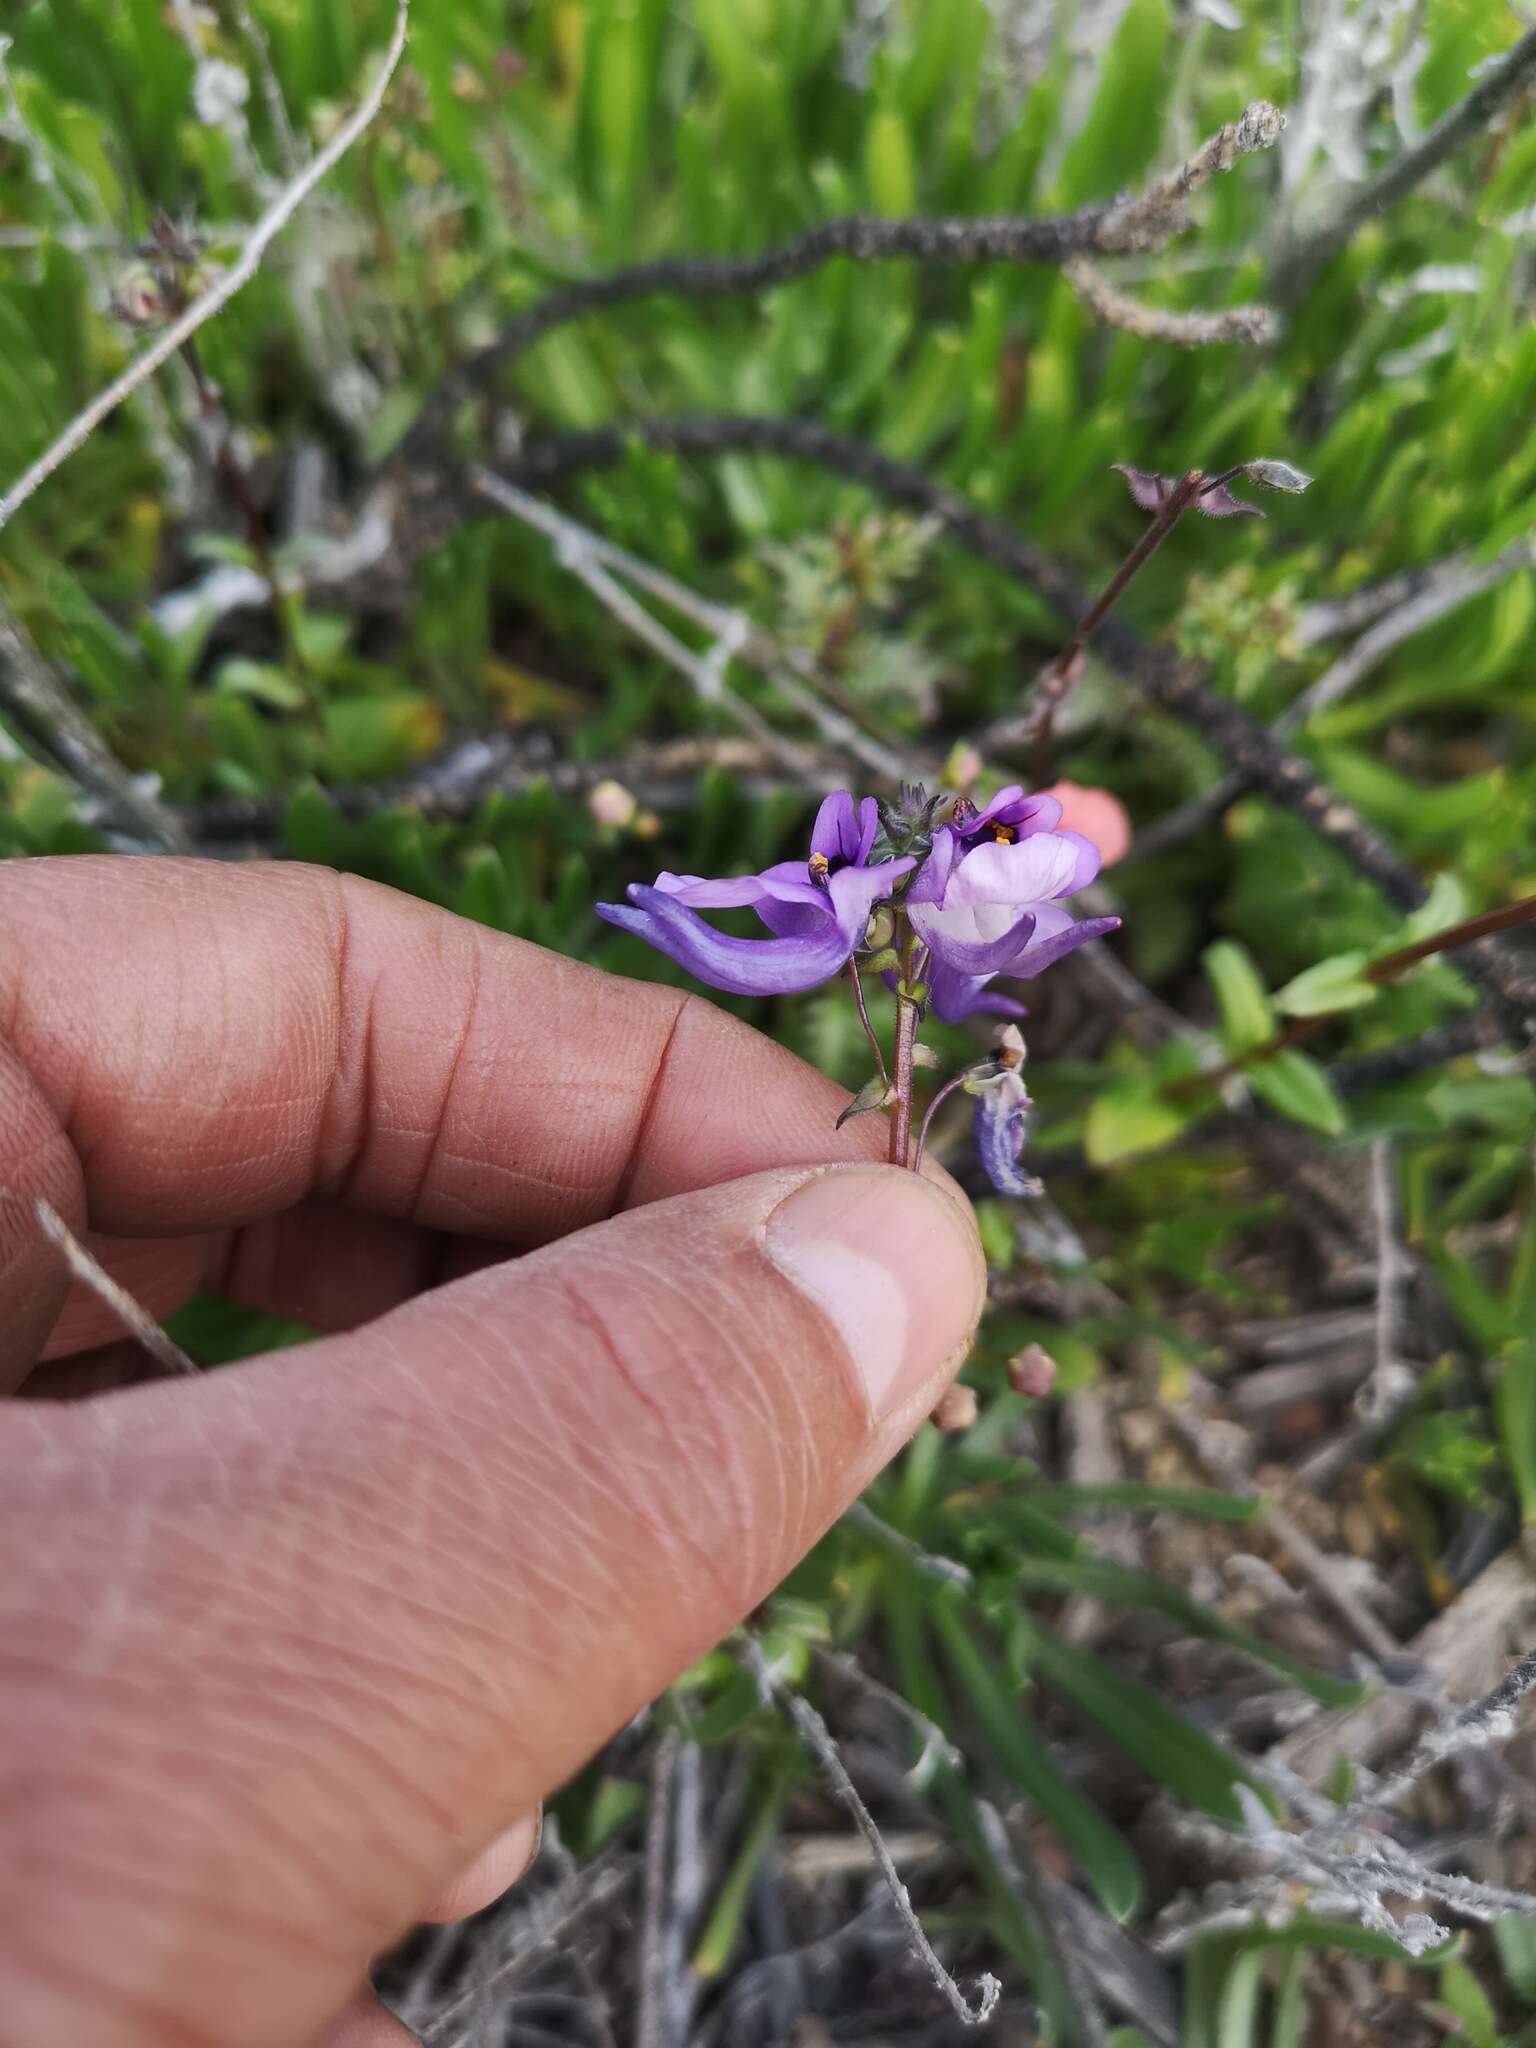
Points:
x=1062, y=673
x=232, y=473
x=869, y=1029
x=958, y=1081
x=901, y=1082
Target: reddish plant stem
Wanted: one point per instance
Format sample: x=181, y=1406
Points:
x=1379, y=972
x=235, y=480
x=901, y=1082
x=956, y=1081
x=1057, y=681
x=869, y=1029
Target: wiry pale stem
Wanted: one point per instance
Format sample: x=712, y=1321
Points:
x=869, y=1030
x=219, y=293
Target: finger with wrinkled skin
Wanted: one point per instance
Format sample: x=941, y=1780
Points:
x=201, y=1048
x=281, y=1647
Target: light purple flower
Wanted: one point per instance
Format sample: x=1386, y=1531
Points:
x=988, y=901
x=818, y=909
x=1000, y=1124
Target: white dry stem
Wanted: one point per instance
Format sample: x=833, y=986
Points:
x=137, y=1321
x=1156, y=323
x=816, y=1736
x=1160, y=210
x=733, y=632
x=221, y=291
x=1458, y=585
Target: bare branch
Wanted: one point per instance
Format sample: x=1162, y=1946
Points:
x=1139, y=223
x=1160, y=211
x=816, y=1736
x=1498, y=85
x=1431, y=601
x=221, y=291
x=42, y=712
x=733, y=631
x=1156, y=323
x=138, y=1322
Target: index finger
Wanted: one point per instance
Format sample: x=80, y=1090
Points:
x=186, y=1046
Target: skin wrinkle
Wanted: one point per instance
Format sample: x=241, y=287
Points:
x=703, y=1555
x=375, y=1559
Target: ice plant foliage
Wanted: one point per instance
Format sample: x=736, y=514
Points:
x=942, y=899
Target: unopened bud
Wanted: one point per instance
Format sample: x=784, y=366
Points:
x=610, y=803
x=964, y=766
x=955, y=1410
x=1010, y=1048
x=881, y=930
x=1032, y=1372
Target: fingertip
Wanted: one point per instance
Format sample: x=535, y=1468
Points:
x=367, y=2023
x=501, y=1864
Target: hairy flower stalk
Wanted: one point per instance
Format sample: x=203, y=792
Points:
x=940, y=899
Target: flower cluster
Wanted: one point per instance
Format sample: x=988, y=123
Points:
x=942, y=900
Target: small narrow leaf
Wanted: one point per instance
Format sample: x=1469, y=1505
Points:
x=1336, y=984
x=1247, y=1015
x=875, y=1094
x=1298, y=1087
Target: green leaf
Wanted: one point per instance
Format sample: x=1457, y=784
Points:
x=1104, y=1854
x=1204, y=1503
x=1515, y=1940
x=1444, y=906
x=1336, y=984
x=1130, y=1117
x=1247, y=1014
x=313, y=828
x=1298, y=1087
x=1169, y=1748
x=1124, y=1586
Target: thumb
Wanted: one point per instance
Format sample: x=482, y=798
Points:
x=292, y=1643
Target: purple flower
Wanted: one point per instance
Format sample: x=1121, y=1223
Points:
x=987, y=901
x=818, y=909
x=1000, y=1121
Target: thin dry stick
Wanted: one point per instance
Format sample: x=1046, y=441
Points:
x=650, y=2027
x=1157, y=323
x=39, y=708
x=138, y=1322
x=816, y=1736
x=1490, y=1719
x=1139, y=223
x=793, y=677
x=1468, y=117
x=1427, y=604
x=221, y=291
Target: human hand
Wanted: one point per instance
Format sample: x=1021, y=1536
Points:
x=290, y=1654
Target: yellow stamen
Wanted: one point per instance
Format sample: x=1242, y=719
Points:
x=1004, y=834
x=818, y=865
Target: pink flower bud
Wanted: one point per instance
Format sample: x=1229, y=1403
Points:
x=610, y=803
x=956, y=1409
x=1032, y=1372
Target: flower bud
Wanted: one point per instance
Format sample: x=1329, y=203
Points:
x=610, y=803
x=956, y=1409
x=1032, y=1372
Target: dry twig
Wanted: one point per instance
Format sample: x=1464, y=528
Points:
x=221, y=291
x=138, y=1322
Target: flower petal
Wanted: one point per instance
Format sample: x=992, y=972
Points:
x=1001, y=1124
x=1046, y=952
x=954, y=996
x=741, y=967
x=835, y=834
x=854, y=892
x=966, y=955
x=1034, y=870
